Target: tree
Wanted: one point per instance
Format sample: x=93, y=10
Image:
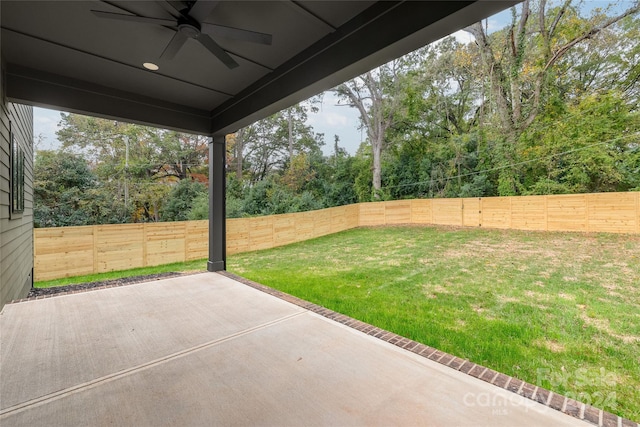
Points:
x=270, y=144
x=180, y=200
x=376, y=96
x=68, y=193
x=133, y=161
x=591, y=148
x=519, y=64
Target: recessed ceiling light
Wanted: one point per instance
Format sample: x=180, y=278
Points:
x=150, y=66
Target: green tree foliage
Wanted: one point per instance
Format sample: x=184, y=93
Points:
x=180, y=200
x=68, y=193
x=549, y=104
x=133, y=161
x=584, y=148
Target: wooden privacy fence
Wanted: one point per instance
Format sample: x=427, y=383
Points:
x=72, y=251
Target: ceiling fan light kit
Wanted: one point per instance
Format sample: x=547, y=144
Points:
x=189, y=25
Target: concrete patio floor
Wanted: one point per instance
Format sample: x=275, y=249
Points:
x=205, y=349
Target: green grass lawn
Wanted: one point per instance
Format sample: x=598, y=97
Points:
x=559, y=310
x=190, y=266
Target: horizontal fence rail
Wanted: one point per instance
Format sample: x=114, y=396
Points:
x=72, y=251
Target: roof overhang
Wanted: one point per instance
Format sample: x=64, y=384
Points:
x=60, y=55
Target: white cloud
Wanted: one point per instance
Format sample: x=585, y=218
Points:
x=332, y=119
x=463, y=37
x=329, y=118
x=45, y=124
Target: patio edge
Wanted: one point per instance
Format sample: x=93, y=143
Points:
x=568, y=406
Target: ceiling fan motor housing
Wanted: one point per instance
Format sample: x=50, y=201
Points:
x=189, y=27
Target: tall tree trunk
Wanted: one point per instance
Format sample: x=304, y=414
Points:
x=376, y=151
x=239, y=147
x=376, y=96
x=290, y=132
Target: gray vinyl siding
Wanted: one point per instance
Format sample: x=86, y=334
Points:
x=16, y=230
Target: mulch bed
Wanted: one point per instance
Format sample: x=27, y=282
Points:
x=36, y=292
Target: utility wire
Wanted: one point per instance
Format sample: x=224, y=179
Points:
x=637, y=134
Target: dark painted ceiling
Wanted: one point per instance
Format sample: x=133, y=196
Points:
x=59, y=54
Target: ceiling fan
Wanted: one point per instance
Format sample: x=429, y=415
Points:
x=188, y=23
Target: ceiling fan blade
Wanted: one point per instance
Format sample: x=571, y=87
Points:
x=173, y=8
x=174, y=45
x=134, y=18
x=236, y=33
x=214, y=48
x=201, y=9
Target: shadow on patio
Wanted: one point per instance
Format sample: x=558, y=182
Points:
x=206, y=349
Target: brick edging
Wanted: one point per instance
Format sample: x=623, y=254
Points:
x=541, y=395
